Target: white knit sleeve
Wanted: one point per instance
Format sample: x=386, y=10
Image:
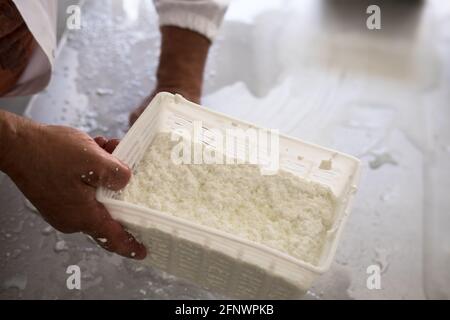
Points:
x=202, y=16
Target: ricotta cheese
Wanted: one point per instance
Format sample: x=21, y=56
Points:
x=281, y=211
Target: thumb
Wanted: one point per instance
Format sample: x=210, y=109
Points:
x=114, y=174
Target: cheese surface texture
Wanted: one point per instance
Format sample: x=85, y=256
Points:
x=281, y=211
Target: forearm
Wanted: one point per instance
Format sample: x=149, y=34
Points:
x=182, y=61
x=181, y=65
x=13, y=130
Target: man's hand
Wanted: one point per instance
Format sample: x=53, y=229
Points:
x=58, y=169
x=16, y=45
x=181, y=65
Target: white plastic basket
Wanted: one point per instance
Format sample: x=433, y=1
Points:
x=211, y=258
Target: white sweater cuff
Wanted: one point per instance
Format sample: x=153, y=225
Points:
x=202, y=16
x=191, y=21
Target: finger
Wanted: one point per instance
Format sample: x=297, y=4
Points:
x=101, y=141
x=111, y=145
x=107, y=145
x=111, y=235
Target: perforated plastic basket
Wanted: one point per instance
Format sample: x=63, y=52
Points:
x=211, y=258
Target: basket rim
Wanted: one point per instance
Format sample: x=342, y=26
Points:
x=144, y=212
